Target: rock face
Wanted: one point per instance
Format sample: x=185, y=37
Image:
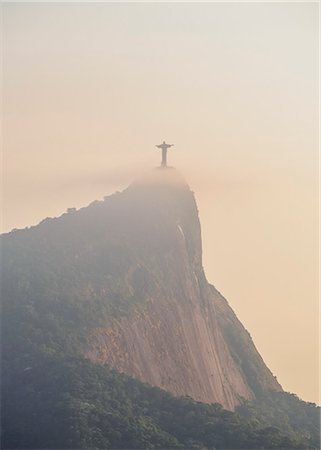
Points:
x=182, y=336
x=124, y=279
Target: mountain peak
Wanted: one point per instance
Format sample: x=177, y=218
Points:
x=125, y=275
x=163, y=177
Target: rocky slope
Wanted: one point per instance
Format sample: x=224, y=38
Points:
x=184, y=338
x=125, y=275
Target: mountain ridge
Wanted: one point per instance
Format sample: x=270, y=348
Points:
x=134, y=263
x=178, y=366
x=119, y=286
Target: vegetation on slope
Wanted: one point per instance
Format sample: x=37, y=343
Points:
x=54, y=399
x=66, y=402
x=57, y=284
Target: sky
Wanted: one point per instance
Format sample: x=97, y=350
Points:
x=91, y=88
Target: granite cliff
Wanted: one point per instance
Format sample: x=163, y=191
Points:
x=183, y=336
x=125, y=277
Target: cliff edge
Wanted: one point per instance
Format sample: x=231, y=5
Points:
x=183, y=337
x=124, y=278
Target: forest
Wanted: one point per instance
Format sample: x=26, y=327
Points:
x=53, y=398
x=62, y=402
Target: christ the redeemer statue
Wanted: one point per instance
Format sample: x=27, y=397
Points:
x=164, y=148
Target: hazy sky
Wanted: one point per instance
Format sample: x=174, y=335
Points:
x=89, y=89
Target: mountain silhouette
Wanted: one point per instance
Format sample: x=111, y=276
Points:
x=119, y=285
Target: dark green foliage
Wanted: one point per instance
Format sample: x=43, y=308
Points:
x=284, y=411
x=63, y=402
x=58, y=283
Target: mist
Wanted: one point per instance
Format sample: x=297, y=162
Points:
x=90, y=89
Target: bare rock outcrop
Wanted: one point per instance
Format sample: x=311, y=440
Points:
x=181, y=334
